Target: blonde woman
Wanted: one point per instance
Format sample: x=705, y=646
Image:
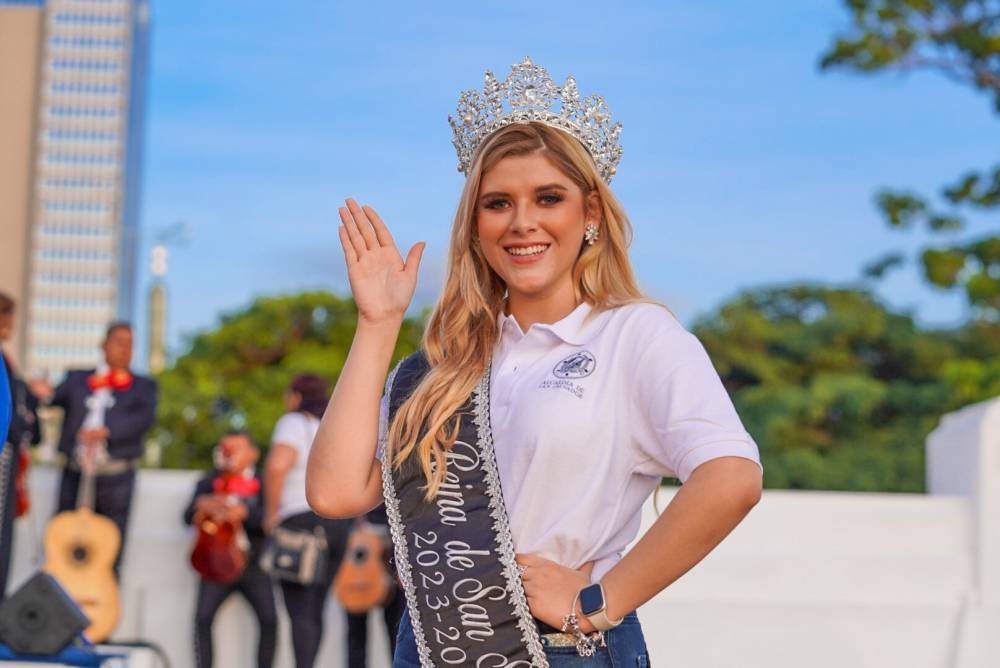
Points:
x=515, y=450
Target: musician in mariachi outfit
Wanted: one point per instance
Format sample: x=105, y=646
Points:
x=233, y=493
x=106, y=414
x=516, y=449
x=23, y=432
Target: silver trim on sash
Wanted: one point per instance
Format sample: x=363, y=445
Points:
x=398, y=539
x=504, y=540
x=505, y=546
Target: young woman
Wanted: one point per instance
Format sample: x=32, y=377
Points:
x=547, y=401
x=285, y=504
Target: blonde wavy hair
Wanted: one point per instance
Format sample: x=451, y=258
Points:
x=462, y=329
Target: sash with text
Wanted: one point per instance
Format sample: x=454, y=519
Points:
x=454, y=554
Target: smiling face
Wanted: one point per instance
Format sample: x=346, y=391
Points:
x=530, y=220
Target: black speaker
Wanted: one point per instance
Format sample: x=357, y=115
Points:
x=40, y=618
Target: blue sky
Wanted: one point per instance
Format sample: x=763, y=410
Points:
x=743, y=166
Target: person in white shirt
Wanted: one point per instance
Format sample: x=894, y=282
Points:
x=285, y=505
x=594, y=394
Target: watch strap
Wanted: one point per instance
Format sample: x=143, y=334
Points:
x=602, y=622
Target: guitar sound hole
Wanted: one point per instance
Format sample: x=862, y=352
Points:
x=360, y=554
x=79, y=554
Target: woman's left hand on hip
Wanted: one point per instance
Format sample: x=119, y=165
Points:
x=552, y=588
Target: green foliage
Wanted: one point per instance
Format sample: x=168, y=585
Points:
x=235, y=376
x=839, y=392
x=961, y=39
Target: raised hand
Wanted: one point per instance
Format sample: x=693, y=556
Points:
x=382, y=283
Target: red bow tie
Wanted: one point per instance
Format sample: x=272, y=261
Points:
x=116, y=379
x=238, y=485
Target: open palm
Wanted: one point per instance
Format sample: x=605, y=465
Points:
x=382, y=283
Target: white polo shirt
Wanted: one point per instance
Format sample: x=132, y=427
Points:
x=589, y=415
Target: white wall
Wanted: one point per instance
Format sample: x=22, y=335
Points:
x=810, y=579
x=159, y=588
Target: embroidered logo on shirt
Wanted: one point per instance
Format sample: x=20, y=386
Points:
x=577, y=365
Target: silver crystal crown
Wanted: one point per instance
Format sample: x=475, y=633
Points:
x=530, y=94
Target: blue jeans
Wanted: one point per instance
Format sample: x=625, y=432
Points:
x=626, y=649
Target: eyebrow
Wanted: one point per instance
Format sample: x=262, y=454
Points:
x=548, y=186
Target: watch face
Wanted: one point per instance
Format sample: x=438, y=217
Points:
x=591, y=600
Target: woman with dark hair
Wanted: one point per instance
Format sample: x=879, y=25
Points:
x=285, y=505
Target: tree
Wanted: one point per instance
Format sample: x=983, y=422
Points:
x=235, y=375
x=839, y=392
x=960, y=39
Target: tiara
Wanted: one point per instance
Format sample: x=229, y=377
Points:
x=530, y=94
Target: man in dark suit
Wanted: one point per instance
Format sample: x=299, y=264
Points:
x=107, y=412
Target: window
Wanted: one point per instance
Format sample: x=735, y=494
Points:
x=61, y=41
x=80, y=158
x=81, y=135
x=85, y=65
x=83, y=112
x=78, y=183
x=85, y=88
x=65, y=18
x=76, y=206
x=54, y=230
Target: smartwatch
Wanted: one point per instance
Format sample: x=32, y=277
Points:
x=595, y=608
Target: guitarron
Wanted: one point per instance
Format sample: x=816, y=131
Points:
x=219, y=553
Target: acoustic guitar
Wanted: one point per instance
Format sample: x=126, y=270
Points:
x=80, y=551
x=363, y=581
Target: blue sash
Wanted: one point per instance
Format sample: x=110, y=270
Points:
x=6, y=406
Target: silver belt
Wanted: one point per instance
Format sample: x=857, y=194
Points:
x=109, y=467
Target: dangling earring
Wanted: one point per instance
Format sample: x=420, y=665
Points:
x=590, y=234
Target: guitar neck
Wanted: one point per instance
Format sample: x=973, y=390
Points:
x=86, y=492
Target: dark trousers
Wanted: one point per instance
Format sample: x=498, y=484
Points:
x=357, y=630
x=8, y=499
x=257, y=589
x=305, y=604
x=112, y=498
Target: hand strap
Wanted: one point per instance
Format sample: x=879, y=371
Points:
x=586, y=645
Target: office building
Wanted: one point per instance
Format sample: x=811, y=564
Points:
x=70, y=228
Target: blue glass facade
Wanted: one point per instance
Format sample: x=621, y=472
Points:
x=132, y=178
